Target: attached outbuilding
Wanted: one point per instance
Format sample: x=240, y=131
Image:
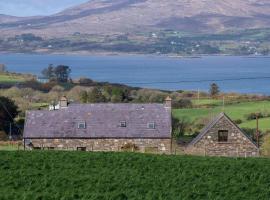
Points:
x=222, y=137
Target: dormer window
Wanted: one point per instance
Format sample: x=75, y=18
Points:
x=123, y=124
x=151, y=125
x=81, y=125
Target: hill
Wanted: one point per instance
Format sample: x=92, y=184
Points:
x=122, y=176
x=129, y=16
x=183, y=27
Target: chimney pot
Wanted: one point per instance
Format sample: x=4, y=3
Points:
x=63, y=103
x=168, y=102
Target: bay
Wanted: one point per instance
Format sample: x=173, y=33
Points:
x=231, y=73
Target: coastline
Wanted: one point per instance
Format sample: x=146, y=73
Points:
x=95, y=53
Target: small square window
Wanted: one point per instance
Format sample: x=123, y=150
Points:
x=223, y=135
x=81, y=125
x=151, y=125
x=81, y=148
x=123, y=124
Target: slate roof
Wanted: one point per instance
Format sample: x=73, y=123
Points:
x=213, y=123
x=102, y=121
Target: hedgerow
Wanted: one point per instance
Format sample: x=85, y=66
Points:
x=121, y=176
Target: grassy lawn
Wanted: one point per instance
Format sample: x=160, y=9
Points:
x=212, y=102
x=235, y=111
x=264, y=124
x=10, y=79
x=127, y=176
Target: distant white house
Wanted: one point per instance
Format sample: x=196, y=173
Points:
x=43, y=80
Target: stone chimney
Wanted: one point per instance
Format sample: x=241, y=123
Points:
x=63, y=103
x=168, y=102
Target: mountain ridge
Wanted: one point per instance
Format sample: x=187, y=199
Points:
x=128, y=16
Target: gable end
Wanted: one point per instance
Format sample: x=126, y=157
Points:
x=215, y=122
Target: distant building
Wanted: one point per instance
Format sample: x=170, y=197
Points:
x=222, y=137
x=43, y=80
x=101, y=127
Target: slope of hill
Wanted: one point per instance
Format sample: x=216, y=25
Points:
x=7, y=18
x=128, y=16
x=122, y=176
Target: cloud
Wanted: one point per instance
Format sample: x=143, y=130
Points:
x=35, y=7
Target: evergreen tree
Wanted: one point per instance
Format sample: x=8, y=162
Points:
x=214, y=90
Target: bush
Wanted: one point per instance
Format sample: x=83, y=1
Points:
x=253, y=116
x=238, y=121
x=180, y=127
x=182, y=103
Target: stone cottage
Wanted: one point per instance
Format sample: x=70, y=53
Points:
x=222, y=137
x=101, y=127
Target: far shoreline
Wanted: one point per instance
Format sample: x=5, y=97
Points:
x=115, y=54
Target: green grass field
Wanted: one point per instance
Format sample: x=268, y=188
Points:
x=11, y=79
x=235, y=111
x=126, y=176
x=201, y=102
x=7, y=147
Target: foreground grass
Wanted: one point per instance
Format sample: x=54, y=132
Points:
x=121, y=176
x=235, y=111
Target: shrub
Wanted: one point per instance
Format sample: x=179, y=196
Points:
x=180, y=127
x=182, y=103
x=238, y=121
x=253, y=116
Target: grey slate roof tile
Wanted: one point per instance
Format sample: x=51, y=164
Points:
x=102, y=121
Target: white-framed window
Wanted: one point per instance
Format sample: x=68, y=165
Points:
x=151, y=125
x=123, y=124
x=81, y=125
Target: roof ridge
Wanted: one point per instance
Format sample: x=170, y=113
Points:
x=206, y=128
x=109, y=103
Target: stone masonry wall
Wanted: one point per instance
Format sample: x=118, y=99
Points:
x=238, y=145
x=139, y=145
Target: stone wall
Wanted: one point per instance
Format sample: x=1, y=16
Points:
x=136, y=145
x=238, y=144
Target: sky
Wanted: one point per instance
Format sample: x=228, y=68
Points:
x=35, y=7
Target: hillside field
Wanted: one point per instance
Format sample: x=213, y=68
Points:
x=237, y=111
x=122, y=176
x=6, y=78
